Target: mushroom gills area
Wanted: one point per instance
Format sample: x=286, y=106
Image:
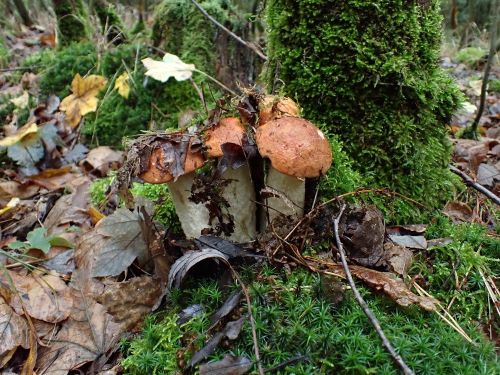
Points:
x=240, y=195
x=291, y=188
x=193, y=216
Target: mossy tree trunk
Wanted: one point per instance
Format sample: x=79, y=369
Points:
x=23, y=12
x=71, y=16
x=110, y=21
x=367, y=71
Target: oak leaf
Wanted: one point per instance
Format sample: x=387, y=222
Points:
x=83, y=100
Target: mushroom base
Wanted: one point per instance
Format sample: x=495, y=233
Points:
x=291, y=203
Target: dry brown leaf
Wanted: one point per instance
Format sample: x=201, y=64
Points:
x=13, y=189
x=83, y=99
x=458, y=212
x=88, y=334
x=398, y=258
x=14, y=332
x=43, y=297
x=102, y=160
x=129, y=302
x=53, y=179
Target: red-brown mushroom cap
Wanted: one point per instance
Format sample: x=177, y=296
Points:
x=158, y=172
x=295, y=147
x=228, y=130
x=272, y=107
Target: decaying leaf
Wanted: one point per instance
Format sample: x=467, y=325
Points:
x=62, y=263
x=44, y=297
x=398, y=258
x=413, y=242
x=122, y=86
x=458, y=212
x=229, y=365
x=129, y=302
x=88, y=334
x=83, y=99
x=19, y=135
x=14, y=331
x=171, y=66
x=101, y=160
x=181, y=267
x=121, y=242
x=231, y=302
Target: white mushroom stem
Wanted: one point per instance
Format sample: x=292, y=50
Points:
x=240, y=195
x=292, y=192
x=193, y=216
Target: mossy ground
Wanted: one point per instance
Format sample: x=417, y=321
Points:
x=295, y=316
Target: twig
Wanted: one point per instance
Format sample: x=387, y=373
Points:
x=229, y=32
x=385, y=342
x=473, y=184
x=19, y=68
x=287, y=363
x=252, y=321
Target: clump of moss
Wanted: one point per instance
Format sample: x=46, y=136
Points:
x=293, y=318
x=71, y=21
x=111, y=23
x=4, y=54
x=494, y=85
x=164, y=212
x=471, y=56
x=382, y=93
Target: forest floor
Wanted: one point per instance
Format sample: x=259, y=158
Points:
x=76, y=295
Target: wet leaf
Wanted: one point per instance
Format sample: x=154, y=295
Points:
x=83, y=99
x=181, y=267
x=120, y=244
x=231, y=302
x=229, y=365
x=171, y=66
x=122, y=86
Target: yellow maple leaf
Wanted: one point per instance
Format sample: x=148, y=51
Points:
x=84, y=98
x=20, y=134
x=121, y=84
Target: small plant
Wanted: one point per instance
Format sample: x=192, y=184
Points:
x=38, y=239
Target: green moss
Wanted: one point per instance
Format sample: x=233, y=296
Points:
x=494, y=85
x=158, y=194
x=4, y=53
x=471, y=55
x=71, y=17
x=292, y=317
x=368, y=72
x=111, y=23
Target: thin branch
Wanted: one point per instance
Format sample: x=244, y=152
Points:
x=229, y=32
x=473, y=184
x=385, y=342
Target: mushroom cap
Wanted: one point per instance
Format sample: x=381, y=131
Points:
x=272, y=107
x=158, y=171
x=295, y=147
x=228, y=130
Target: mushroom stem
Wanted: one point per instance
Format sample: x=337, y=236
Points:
x=240, y=195
x=291, y=202
x=193, y=216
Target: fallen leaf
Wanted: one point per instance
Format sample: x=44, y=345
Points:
x=189, y=313
x=229, y=365
x=121, y=84
x=476, y=86
x=19, y=135
x=83, y=99
x=22, y=101
x=88, y=334
x=413, y=242
x=181, y=266
x=14, y=331
x=458, y=212
x=398, y=258
x=95, y=215
x=171, y=66
x=14, y=189
x=119, y=243
x=224, y=246
x=231, y=302
x=43, y=297
x=101, y=160
x=406, y=229
x=48, y=39
x=486, y=174
x=62, y=263
x=10, y=205
x=130, y=301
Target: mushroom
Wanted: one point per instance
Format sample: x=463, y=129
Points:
x=194, y=217
x=239, y=193
x=297, y=150
x=272, y=107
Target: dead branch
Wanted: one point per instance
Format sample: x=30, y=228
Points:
x=473, y=184
x=376, y=324
x=229, y=32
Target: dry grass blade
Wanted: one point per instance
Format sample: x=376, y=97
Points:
x=493, y=291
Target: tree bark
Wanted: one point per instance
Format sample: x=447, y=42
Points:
x=23, y=12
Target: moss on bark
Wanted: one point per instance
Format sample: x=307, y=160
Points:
x=368, y=72
x=71, y=16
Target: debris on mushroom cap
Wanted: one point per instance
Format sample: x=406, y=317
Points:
x=228, y=130
x=158, y=166
x=295, y=147
x=272, y=107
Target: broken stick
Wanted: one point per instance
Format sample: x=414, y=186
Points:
x=473, y=184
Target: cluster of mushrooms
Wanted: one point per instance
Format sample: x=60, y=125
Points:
x=292, y=150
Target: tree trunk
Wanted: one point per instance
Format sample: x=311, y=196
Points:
x=23, y=12
x=71, y=15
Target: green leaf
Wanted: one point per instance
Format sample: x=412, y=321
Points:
x=16, y=245
x=60, y=241
x=37, y=239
